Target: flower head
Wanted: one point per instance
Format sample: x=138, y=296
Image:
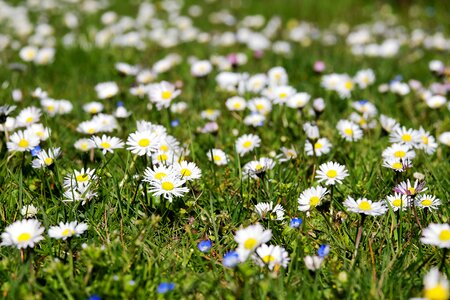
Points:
x=23, y=234
x=331, y=173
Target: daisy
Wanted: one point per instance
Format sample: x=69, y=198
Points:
x=250, y=238
x=258, y=168
x=79, y=193
x=28, y=116
x=217, y=156
x=261, y=106
x=267, y=210
x=162, y=94
x=22, y=141
x=444, y=138
x=428, y=201
x=282, y=94
x=107, y=122
x=43, y=133
x=84, y=145
x=365, y=206
x=311, y=198
x=398, y=201
x=399, y=151
x=106, y=90
x=427, y=141
x=46, y=158
x=89, y=127
x=271, y=256
x=168, y=143
x=5, y=110
x=437, y=235
x=29, y=211
x=210, y=114
x=107, y=143
x=158, y=173
x=436, y=286
x=364, y=78
x=398, y=165
x=201, y=68
x=365, y=108
x=322, y=146
x=168, y=187
x=247, y=143
x=93, y=107
x=23, y=234
x=406, y=188
x=277, y=76
x=331, y=173
x=143, y=143
x=311, y=131
x=165, y=157
x=256, y=83
x=388, y=124
x=349, y=130
x=80, y=178
x=256, y=120
x=287, y=154
x=313, y=263
x=28, y=53
x=405, y=136
x=298, y=100
x=236, y=103
x=187, y=170
x=67, y=230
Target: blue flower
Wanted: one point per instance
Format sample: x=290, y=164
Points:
x=295, y=222
x=323, y=250
x=94, y=297
x=230, y=259
x=204, y=246
x=175, y=123
x=165, y=287
x=120, y=104
x=35, y=150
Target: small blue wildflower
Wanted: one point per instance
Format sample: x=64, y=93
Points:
x=94, y=297
x=363, y=101
x=204, y=246
x=230, y=259
x=35, y=150
x=175, y=123
x=120, y=104
x=295, y=222
x=323, y=250
x=165, y=287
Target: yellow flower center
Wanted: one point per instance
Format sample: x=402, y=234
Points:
x=258, y=167
x=186, y=172
x=314, y=200
x=332, y=173
x=399, y=154
x=105, y=145
x=29, y=119
x=167, y=186
x=318, y=146
x=250, y=244
x=365, y=205
x=166, y=95
x=348, y=131
x=93, y=110
x=397, y=202
x=439, y=292
x=67, y=232
x=349, y=85
x=24, y=237
x=23, y=143
x=268, y=258
x=427, y=202
x=412, y=190
x=39, y=133
x=160, y=175
x=50, y=108
x=397, y=165
x=162, y=157
x=91, y=130
x=48, y=161
x=144, y=142
x=217, y=158
x=406, y=137
x=247, y=144
x=425, y=140
x=82, y=177
x=164, y=148
x=444, y=235
x=84, y=146
x=259, y=106
x=283, y=95
x=237, y=105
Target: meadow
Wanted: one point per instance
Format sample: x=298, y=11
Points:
x=231, y=149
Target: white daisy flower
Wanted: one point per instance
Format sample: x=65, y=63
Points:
x=93, y=107
x=158, y=173
x=388, y=124
x=364, y=78
x=271, y=256
x=255, y=120
x=28, y=53
x=247, y=143
x=311, y=198
x=29, y=211
x=427, y=141
x=201, y=68
x=143, y=143
x=236, y=103
x=107, y=143
x=287, y=154
x=45, y=158
x=311, y=130
x=217, y=156
x=397, y=164
x=84, y=145
x=162, y=94
x=349, y=130
x=437, y=235
x=82, y=178
x=365, y=206
x=277, y=76
x=321, y=146
x=22, y=141
x=313, y=263
x=428, y=201
x=82, y=193
x=444, y=138
x=436, y=286
x=261, y=106
x=210, y=114
x=43, y=133
x=250, y=238
x=28, y=116
x=398, y=201
x=106, y=90
x=298, y=100
x=405, y=136
x=282, y=94
x=257, y=168
x=89, y=127
x=67, y=230
x=266, y=210
x=188, y=170
x=107, y=122
x=399, y=151
x=331, y=173
x=23, y=234
x=168, y=187
x=165, y=157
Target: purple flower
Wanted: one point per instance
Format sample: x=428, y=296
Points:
x=165, y=287
x=204, y=246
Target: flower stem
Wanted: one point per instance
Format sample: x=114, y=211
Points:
x=358, y=237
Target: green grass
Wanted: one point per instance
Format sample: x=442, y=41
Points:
x=138, y=237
